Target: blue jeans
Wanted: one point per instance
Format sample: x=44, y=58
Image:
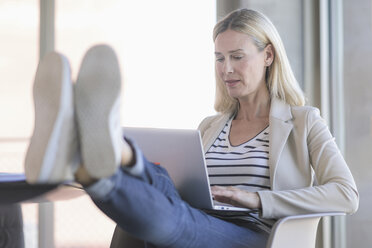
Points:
x=147, y=206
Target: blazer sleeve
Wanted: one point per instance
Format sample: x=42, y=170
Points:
x=335, y=190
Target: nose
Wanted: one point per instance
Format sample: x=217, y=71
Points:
x=227, y=67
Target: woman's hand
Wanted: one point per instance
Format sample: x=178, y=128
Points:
x=236, y=197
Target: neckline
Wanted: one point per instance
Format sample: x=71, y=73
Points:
x=245, y=142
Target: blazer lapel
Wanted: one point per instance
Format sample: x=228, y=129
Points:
x=212, y=133
x=280, y=128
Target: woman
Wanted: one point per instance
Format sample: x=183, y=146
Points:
x=263, y=141
x=257, y=89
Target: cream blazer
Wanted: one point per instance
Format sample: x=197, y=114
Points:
x=308, y=174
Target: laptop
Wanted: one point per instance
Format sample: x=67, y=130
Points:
x=180, y=152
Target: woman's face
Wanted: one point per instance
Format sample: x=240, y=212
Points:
x=240, y=65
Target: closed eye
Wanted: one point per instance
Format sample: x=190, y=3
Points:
x=237, y=57
x=220, y=59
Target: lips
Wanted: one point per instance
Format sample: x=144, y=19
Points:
x=231, y=82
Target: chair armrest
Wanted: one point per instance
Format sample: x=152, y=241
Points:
x=297, y=230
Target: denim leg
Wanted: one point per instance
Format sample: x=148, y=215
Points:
x=158, y=177
x=149, y=207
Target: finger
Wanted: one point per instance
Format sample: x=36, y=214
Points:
x=223, y=194
x=217, y=189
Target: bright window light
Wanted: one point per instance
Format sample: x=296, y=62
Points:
x=165, y=49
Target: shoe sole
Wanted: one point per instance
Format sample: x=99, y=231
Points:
x=52, y=145
x=97, y=98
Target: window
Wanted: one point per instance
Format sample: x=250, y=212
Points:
x=165, y=49
x=166, y=53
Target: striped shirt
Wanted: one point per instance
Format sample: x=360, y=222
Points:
x=244, y=166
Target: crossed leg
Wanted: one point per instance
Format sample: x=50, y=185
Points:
x=84, y=143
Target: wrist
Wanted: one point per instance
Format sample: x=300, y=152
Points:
x=258, y=200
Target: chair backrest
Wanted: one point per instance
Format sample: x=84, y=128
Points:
x=296, y=231
x=11, y=226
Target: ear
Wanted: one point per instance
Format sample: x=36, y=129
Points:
x=269, y=55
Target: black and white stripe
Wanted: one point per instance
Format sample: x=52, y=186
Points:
x=244, y=166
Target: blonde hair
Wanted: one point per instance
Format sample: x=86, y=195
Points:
x=280, y=79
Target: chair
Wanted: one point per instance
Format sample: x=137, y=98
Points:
x=11, y=226
x=289, y=232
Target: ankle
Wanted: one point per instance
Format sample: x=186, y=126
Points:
x=127, y=155
x=82, y=177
